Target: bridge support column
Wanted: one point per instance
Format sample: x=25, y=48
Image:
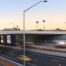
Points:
x=0, y=39
x=5, y=39
x=13, y=40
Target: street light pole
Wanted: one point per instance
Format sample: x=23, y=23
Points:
x=37, y=24
x=24, y=35
x=24, y=24
x=44, y=25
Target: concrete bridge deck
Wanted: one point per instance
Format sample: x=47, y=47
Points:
x=33, y=32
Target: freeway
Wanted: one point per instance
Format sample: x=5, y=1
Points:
x=39, y=57
x=47, y=58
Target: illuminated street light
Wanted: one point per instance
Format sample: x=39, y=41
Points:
x=24, y=22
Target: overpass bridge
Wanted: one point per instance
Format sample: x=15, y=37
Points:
x=46, y=56
x=32, y=36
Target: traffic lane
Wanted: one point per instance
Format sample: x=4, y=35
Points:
x=39, y=59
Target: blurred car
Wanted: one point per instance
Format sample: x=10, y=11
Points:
x=59, y=42
x=24, y=58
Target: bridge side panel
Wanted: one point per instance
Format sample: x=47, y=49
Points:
x=13, y=40
x=5, y=39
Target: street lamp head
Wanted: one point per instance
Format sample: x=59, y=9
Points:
x=45, y=1
x=37, y=21
x=43, y=20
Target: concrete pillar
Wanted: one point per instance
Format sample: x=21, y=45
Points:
x=5, y=39
x=13, y=40
x=0, y=39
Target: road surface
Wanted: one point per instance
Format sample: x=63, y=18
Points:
x=39, y=57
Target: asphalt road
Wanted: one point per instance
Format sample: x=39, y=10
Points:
x=42, y=59
x=39, y=57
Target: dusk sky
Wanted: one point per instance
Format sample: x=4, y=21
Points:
x=53, y=12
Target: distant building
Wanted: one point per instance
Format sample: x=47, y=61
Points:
x=12, y=29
